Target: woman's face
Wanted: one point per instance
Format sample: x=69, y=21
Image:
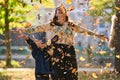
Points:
x=61, y=14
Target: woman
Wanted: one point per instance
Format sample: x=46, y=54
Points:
x=63, y=59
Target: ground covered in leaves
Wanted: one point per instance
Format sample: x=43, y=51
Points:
x=29, y=75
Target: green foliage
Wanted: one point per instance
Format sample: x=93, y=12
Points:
x=17, y=10
x=101, y=7
x=15, y=64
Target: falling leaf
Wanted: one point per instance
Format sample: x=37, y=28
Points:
x=27, y=56
x=28, y=24
x=71, y=8
x=117, y=8
x=101, y=71
x=68, y=1
x=92, y=8
x=118, y=56
x=102, y=52
x=59, y=1
x=48, y=42
x=36, y=7
x=74, y=70
x=77, y=50
x=87, y=65
x=21, y=48
x=85, y=72
x=94, y=75
x=108, y=65
x=82, y=58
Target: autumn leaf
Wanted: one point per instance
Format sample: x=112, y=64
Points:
x=76, y=50
x=117, y=8
x=94, y=75
x=87, y=65
x=85, y=72
x=108, y=65
x=102, y=52
x=68, y=1
x=28, y=24
x=118, y=56
x=101, y=71
x=36, y=7
x=71, y=8
x=21, y=48
x=74, y=70
x=82, y=58
x=48, y=42
x=27, y=56
x=59, y=1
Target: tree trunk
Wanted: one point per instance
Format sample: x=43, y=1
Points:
x=117, y=38
x=7, y=36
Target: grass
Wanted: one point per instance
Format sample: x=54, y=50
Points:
x=29, y=75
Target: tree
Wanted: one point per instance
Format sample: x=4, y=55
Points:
x=97, y=9
x=104, y=8
x=11, y=13
x=117, y=38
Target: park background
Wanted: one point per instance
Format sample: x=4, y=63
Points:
x=93, y=55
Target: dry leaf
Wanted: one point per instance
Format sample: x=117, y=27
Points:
x=74, y=70
x=101, y=71
x=68, y=1
x=102, y=52
x=27, y=56
x=48, y=42
x=118, y=56
x=108, y=65
x=117, y=8
x=21, y=48
x=36, y=7
x=94, y=75
x=71, y=8
x=85, y=72
x=28, y=24
x=82, y=59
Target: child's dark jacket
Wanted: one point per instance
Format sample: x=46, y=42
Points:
x=41, y=63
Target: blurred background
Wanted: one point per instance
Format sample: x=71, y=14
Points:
x=90, y=51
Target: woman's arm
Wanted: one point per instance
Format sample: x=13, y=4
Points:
x=41, y=28
x=80, y=29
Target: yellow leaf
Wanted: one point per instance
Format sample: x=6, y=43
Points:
x=117, y=8
x=71, y=8
x=82, y=58
x=94, y=75
x=48, y=42
x=36, y=7
x=101, y=71
x=21, y=48
x=27, y=56
x=28, y=24
x=118, y=56
x=102, y=52
x=108, y=65
x=74, y=70
x=77, y=50
x=68, y=1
